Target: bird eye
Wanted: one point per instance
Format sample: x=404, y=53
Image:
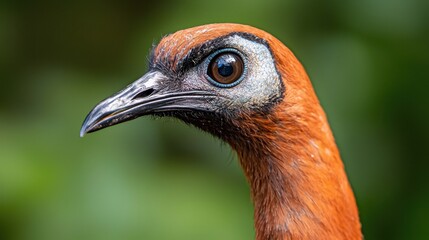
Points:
x=225, y=68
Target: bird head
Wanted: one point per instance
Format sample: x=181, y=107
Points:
x=221, y=78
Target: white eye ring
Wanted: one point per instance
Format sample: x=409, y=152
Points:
x=209, y=59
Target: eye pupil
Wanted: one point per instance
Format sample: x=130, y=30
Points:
x=225, y=69
x=224, y=66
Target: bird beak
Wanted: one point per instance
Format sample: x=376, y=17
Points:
x=147, y=95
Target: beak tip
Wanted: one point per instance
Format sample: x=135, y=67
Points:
x=82, y=133
x=86, y=126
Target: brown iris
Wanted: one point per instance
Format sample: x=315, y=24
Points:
x=226, y=68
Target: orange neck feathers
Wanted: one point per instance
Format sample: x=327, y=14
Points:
x=299, y=186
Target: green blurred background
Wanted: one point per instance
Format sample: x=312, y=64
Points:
x=160, y=179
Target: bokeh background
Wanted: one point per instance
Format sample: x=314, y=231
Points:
x=161, y=179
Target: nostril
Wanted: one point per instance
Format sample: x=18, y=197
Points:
x=144, y=93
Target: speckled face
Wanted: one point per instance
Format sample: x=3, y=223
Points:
x=260, y=82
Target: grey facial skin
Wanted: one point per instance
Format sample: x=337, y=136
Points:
x=260, y=82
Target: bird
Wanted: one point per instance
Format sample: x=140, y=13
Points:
x=245, y=87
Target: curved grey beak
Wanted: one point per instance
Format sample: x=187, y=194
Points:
x=147, y=95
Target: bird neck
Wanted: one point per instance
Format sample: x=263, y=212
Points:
x=298, y=183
